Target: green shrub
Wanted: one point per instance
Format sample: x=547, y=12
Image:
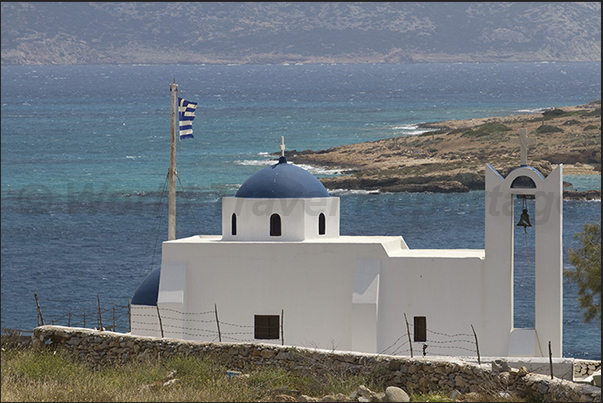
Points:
x=553, y=112
x=487, y=130
x=571, y=122
x=548, y=129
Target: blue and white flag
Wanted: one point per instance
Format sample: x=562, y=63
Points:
x=186, y=114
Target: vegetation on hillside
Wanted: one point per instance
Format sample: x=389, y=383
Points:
x=453, y=153
x=587, y=275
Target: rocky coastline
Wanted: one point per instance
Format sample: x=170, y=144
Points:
x=451, y=157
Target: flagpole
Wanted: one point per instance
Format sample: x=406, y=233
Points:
x=172, y=170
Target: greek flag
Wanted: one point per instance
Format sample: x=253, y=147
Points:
x=186, y=114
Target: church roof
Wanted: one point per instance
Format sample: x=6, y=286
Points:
x=282, y=180
x=147, y=291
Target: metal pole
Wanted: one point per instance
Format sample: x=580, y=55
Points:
x=172, y=169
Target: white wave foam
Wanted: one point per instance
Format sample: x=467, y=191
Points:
x=537, y=110
x=256, y=162
x=411, y=129
x=321, y=171
x=310, y=168
x=352, y=191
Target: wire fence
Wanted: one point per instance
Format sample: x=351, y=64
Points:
x=437, y=344
x=207, y=326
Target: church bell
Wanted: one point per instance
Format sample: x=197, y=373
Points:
x=524, y=220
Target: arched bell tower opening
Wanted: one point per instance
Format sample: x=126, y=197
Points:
x=523, y=255
x=524, y=235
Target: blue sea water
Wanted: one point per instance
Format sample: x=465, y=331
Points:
x=85, y=152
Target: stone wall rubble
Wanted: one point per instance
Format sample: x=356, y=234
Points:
x=452, y=375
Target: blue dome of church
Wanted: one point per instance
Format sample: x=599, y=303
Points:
x=148, y=290
x=282, y=180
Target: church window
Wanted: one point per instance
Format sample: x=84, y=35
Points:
x=420, y=328
x=233, y=224
x=266, y=326
x=275, y=225
x=322, y=224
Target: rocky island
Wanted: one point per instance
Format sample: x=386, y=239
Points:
x=451, y=157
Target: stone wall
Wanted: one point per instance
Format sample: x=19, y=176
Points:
x=103, y=348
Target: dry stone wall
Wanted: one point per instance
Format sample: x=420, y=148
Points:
x=103, y=348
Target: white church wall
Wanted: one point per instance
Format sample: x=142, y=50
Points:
x=299, y=218
x=444, y=287
x=170, y=299
x=329, y=206
x=345, y=295
x=144, y=321
x=311, y=282
x=549, y=263
x=498, y=275
x=365, y=298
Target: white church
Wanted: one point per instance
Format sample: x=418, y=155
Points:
x=281, y=273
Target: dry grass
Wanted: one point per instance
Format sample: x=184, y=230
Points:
x=46, y=375
x=40, y=375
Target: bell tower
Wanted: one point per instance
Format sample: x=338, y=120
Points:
x=546, y=220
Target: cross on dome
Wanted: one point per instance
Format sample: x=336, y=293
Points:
x=524, y=142
x=282, y=146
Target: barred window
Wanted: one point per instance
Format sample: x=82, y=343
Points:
x=266, y=326
x=420, y=327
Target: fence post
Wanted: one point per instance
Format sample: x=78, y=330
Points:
x=114, y=317
x=40, y=318
x=408, y=333
x=479, y=361
x=84, y=318
x=100, y=319
x=160, y=324
x=551, y=359
x=69, y=320
x=129, y=316
x=218, y=322
x=282, y=327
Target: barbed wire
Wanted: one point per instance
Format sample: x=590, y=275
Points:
x=191, y=324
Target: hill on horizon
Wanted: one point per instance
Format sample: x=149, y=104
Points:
x=299, y=32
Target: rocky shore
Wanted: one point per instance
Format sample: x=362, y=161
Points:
x=452, y=156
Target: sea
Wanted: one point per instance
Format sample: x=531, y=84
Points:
x=85, y=154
